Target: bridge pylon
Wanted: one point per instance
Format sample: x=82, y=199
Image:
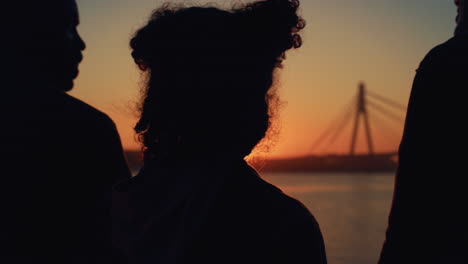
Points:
x=364, y=113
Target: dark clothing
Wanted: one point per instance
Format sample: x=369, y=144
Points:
x=248, y=221
x=255, y=222
x=60, y=158
x=428, y=221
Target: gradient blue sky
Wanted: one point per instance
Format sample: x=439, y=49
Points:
x=378, y=41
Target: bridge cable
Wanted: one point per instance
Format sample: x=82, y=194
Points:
x=388, y=102
x=391, y=138
x=385, y=112
x=389, y=111
x=332, y=127
x=339, y=130
x=384, y=127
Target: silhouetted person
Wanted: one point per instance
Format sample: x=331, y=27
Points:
x=60, y=156
x=428, y=221
x=205, y=107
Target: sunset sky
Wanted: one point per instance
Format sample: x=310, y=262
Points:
x=380, y=42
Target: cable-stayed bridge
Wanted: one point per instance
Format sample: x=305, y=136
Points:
x=370, y=112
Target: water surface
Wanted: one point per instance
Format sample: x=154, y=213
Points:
x=352, y=210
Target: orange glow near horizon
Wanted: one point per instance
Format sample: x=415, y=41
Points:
x=378, y=42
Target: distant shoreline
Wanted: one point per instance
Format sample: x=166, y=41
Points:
x=322, y=164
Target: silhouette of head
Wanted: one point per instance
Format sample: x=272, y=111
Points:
x=44, y=44
x=462, y=22
x=210, y=74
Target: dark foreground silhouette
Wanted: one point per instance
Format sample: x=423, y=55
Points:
x=207, y=104
x=59, y=156
x=428, y=221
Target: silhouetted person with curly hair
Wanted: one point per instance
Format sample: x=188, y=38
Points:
x=60, y=156
x=206, y=105
x=428, y=222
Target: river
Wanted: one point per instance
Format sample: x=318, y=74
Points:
x=352, y=210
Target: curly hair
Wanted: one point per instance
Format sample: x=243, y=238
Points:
x=210, y=73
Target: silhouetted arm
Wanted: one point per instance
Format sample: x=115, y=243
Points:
x=111, y=168
x=115, y=161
